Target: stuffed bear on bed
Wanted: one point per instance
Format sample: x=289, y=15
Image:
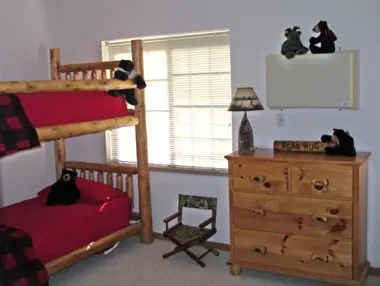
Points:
x=124, y=72
x=65, y=190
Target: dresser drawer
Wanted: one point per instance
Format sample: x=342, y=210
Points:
x=333, y=181
x=298, y=215
x=328, y=257
x=260, y=177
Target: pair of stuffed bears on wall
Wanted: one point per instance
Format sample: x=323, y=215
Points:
x=126, y=71
x=293, y=45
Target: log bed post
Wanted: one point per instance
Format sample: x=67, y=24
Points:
x=59, y=145
x=142, y=149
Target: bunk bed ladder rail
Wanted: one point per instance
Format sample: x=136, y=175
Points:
x=100, y=70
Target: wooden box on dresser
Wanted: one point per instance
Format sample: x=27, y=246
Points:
x=299, y=214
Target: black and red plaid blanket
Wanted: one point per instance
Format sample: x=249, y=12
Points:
x=19, y=265
x=16, y=131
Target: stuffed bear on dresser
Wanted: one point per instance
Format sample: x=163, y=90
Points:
x=343, y=143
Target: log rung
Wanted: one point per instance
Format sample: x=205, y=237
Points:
x=50, y=133
x=64, y=85
x=103, y=167
x=88, y=66
x=105, y=176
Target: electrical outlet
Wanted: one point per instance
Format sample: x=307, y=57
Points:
x=280, y=120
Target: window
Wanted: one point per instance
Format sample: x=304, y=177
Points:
x=187, y=96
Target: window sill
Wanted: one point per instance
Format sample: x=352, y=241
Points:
x=188, y=170
x=180, y=169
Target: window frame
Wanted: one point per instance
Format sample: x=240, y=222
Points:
x=105, y=46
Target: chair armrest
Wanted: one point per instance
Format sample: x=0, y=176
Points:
x=206, y=222
x=170, y=218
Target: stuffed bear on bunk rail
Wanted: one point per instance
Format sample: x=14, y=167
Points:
x=126, y=71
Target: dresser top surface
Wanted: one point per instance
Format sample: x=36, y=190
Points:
x=263, y=154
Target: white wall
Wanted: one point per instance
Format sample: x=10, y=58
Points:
x=23, y=56
x=256, y=30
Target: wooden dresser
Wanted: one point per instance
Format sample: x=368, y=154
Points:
x=299, y=214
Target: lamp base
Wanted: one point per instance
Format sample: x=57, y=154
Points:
x=245, y=143
x=251, y=151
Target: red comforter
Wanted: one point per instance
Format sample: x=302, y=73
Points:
x=58, y=230
x=21, y=114
x=55, y=108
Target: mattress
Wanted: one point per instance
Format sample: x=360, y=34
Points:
x=56, y=108
x=58, y=230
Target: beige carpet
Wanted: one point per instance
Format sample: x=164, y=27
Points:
x=135, y=264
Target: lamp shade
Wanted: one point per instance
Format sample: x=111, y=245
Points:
x=245, y=99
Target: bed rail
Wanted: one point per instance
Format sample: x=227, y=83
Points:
x=85, y=67
x=63, y=85
x=88, y=71
x=50, y=133
x=119, y=176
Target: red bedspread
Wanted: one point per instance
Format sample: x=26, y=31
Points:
x=55, y=108
x=21, y=114
x=58, y=230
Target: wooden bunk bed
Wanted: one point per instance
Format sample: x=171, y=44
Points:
x=94, y=77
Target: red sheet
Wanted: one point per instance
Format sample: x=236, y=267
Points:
x=59, y=230
x=55, y=108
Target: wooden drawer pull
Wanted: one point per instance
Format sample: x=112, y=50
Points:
x=333, y=211
x=320, y=185
x=257, y=179
x=320, y=219
x=260, y=250
x=261, y=181
x=319, y=259
x=257, y=212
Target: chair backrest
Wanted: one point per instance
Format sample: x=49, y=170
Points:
x=197, y=202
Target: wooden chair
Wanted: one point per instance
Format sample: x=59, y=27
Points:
x=187, y=236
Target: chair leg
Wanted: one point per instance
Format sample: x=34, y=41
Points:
x=171, y=253
x=185, y=248
x=188, y=252
x=195, y=258
x=212, y=250
x=204, y=254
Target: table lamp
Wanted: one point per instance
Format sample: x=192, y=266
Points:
x=245, y=99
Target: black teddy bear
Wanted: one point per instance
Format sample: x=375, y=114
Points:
x=124, y=72
x=343, y=143
x=326, y=39
x=65, y=190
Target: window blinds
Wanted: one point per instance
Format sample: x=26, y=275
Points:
x=187, y=96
